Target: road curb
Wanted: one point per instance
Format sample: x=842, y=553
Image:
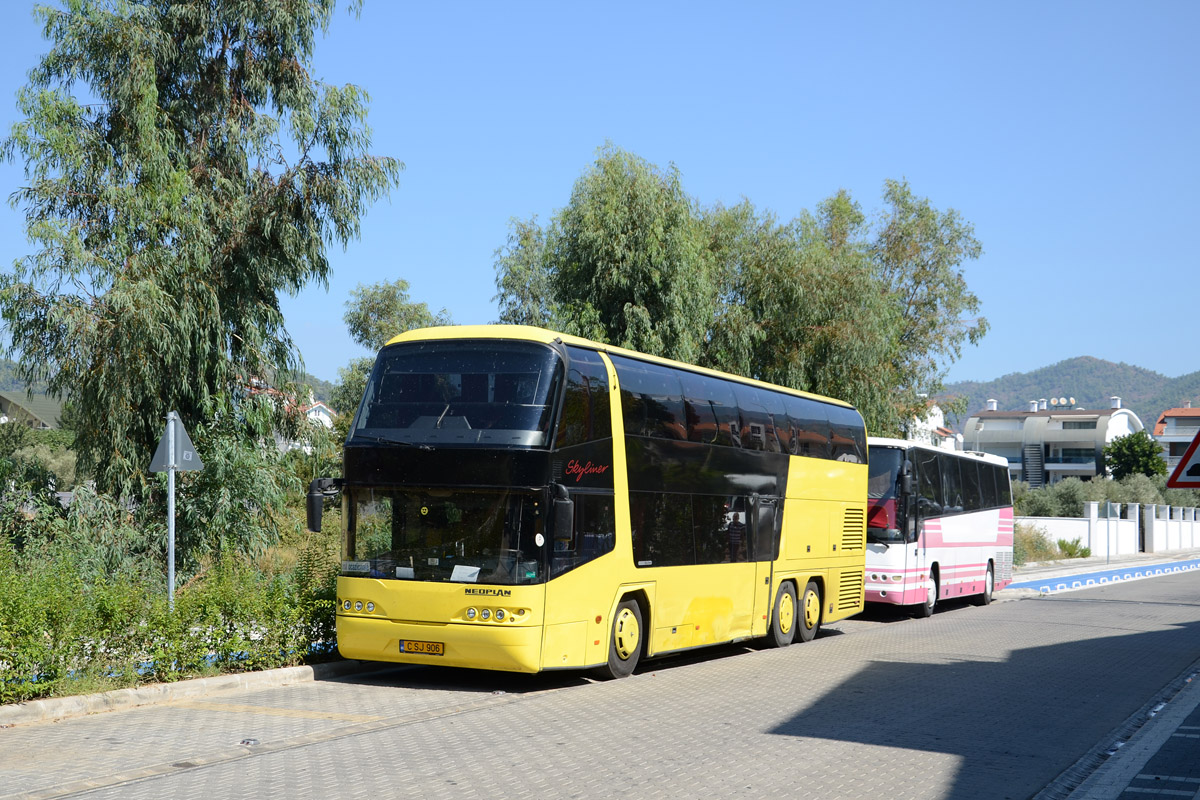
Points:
x=56, y=708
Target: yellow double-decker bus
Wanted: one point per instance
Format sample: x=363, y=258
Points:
x=519, y=499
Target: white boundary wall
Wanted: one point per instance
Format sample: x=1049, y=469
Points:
x=1119, y=534
x=1171, y=528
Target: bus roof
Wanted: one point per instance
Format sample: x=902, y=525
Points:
x=906, y=444
x=534, y=334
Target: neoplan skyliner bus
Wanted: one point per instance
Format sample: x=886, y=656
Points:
x=939, y=525
x=518, y=499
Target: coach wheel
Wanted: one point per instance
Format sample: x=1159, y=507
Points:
x=810, y=612
x=625, y=645
x=931, y=596
x=783, y=620
x=989, y=586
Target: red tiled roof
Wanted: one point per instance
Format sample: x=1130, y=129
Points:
x=1160, y=427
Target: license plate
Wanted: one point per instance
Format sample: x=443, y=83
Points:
x=424, y=648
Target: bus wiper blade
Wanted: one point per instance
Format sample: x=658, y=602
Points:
x=391, y=442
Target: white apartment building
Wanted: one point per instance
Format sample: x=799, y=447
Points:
x=1049, y=442
x=1175, y=429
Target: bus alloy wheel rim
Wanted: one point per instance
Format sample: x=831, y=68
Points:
x=787, y=613
x=812, y=609
x=627, y=634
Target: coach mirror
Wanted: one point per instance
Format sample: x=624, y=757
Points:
x=318, y=491
x=907, y=483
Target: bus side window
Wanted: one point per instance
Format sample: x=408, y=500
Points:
x=715, y=405
x=593, y=534
x=651, y=399
x=779, y=433
x=810, y=427
x=1003, y=488
x=753, y=417
x=847, y=434
x=585, y=415
x=929, y=483
x=952, y=502
x=971, y=492
x=989, y=475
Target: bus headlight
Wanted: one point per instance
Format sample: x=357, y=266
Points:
x=346, y=605
x=370, y=607
x=358, y=605
x=499, y=615
x=485, y=614
x=471, y=613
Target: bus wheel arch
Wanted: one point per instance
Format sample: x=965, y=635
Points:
x=627, y=636
x=785, y=616
x=808, y=620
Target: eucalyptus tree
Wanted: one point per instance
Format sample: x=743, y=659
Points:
x=624, y=262
x=183, y=167
x=374, y=314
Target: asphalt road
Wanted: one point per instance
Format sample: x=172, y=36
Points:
x=992, y=702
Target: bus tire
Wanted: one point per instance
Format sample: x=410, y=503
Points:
x=989, y=585
x=809, y=618
x=931, y=596
x=783, y=618
x=625, y=642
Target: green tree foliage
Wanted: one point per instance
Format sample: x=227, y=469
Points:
x=625, y=262
x=204, y=172
x=918, y=253
x=1135, y=454
x=801, y=307
x=375, y=314
x=828, y=302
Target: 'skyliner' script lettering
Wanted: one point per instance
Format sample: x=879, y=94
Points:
x=579, y=470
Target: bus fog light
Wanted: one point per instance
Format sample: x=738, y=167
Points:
x=499, y=615
x=346, y=605
x=485, y=614
x=471, y=613
x=370, y=606
x=358, y=605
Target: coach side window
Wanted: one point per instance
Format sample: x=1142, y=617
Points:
x=810, y=427
x=586, y=415
x=929, y=482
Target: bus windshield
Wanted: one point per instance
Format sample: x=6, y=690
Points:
x=494, y=393
x=883, y=472
x=883, y=504
x=467, y=536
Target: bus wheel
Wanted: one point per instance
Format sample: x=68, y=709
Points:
x=989, y=585
x=810, y=613
x=783, y=621
x=931, y=596
x=625, y=645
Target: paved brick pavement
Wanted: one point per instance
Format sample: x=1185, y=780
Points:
x=974, y=703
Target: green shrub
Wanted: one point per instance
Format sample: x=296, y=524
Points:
x=1074, y=549
x=1032, y=543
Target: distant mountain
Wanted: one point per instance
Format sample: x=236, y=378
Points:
x=1091, y=381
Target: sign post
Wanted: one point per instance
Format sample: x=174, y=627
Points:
x=1186, y=474
x=175, y=452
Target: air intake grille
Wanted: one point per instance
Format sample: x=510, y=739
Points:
x=854, y=529
x=850, y=591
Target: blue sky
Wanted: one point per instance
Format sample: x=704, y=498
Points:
x=1067, y=133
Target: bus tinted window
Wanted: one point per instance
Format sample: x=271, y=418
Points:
x=989, y=474
x=778, y=432
x=929, y=482
x=810, y=427
x=952, y=501
x=753, y=417
x=712, y=410
x=586, y=415
x=969, y=471
x=651, y=399
x=1003, y=488
x=847, y=434
x=662, y=529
